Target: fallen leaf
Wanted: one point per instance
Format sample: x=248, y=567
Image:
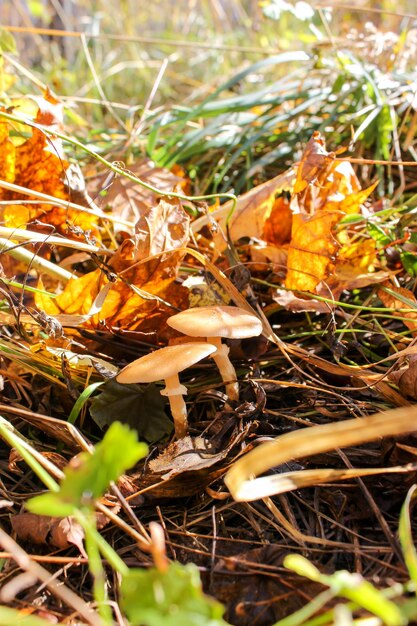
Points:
x=400, y=298
x=290, y=301
x=312, y=250
x=278, y=224
x=8, y=154
x=274, y=256
x=141, y=407
x=314, y=165
x=126, y=198
x=38, y=163
x=406, y=378
x=186, y=455
x=15, y=458
x=146, y=268
x=45, y=530
x=325, y=191
x=252, y=210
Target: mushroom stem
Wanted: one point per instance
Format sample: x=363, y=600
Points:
x=226, y=369
x=175, y=392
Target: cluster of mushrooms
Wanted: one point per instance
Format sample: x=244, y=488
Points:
x=212, y=323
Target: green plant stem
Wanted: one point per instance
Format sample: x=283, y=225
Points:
x=16, y=285
x=96, y=567
x=313, y=296
x=42, y=265
x=25, y=450
x=28, y=455
x=300, y=616
x=105, y=548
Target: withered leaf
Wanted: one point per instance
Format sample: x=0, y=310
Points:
x=390, y=300
x=44, y=530
x=38, y=163
x=252, y=210
x=324, y=192
x=314, y=165
x=406, y=378
x=146, y=267
x=186, y=455
x=129, y=200
x=278, y=224
x=141, y=407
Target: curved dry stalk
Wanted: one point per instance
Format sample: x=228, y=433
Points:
x=241, y=480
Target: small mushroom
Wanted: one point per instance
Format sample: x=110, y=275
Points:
x=165, y=364
x=215, y=322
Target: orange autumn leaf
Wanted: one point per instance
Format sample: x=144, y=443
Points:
x=314, y=163
x=278, y=224
x=38, y=164
x=144, y=270
x=311, y=251
x=7, y=152
x=399, y=301
x=356, y=267
x=253, y=209
x=325, y=191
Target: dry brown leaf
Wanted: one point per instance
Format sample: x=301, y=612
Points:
x=14, y=458
x=186, y=455
x=45, y=530
x=129, y=200
x=406, y=378
x=390, y=301
x=149, y=263
x=290, y=301
x=252, y=210
x=278, y=224
x=314, y=165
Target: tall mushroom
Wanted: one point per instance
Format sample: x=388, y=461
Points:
x=215, y=322
x=165, y=364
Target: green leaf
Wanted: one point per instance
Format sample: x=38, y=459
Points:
x=352, y=587
x=142, y=408
x=364, y=594
x=378, y=235
x=353, y=218
x=409, y=261
x=7, y=42
x=302, y=567
x=81, y=400
x=170, y=598
x=406, y=538
x=89, y=479
x=51, y=504
x=12, y=617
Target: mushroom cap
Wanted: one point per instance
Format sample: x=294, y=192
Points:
x=231, y=322
x=164, y=363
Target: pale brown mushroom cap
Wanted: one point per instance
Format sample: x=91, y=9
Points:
x=164, y=363
x=230, y=322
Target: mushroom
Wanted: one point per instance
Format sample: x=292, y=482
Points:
x=165, y=364
x=215, y=322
